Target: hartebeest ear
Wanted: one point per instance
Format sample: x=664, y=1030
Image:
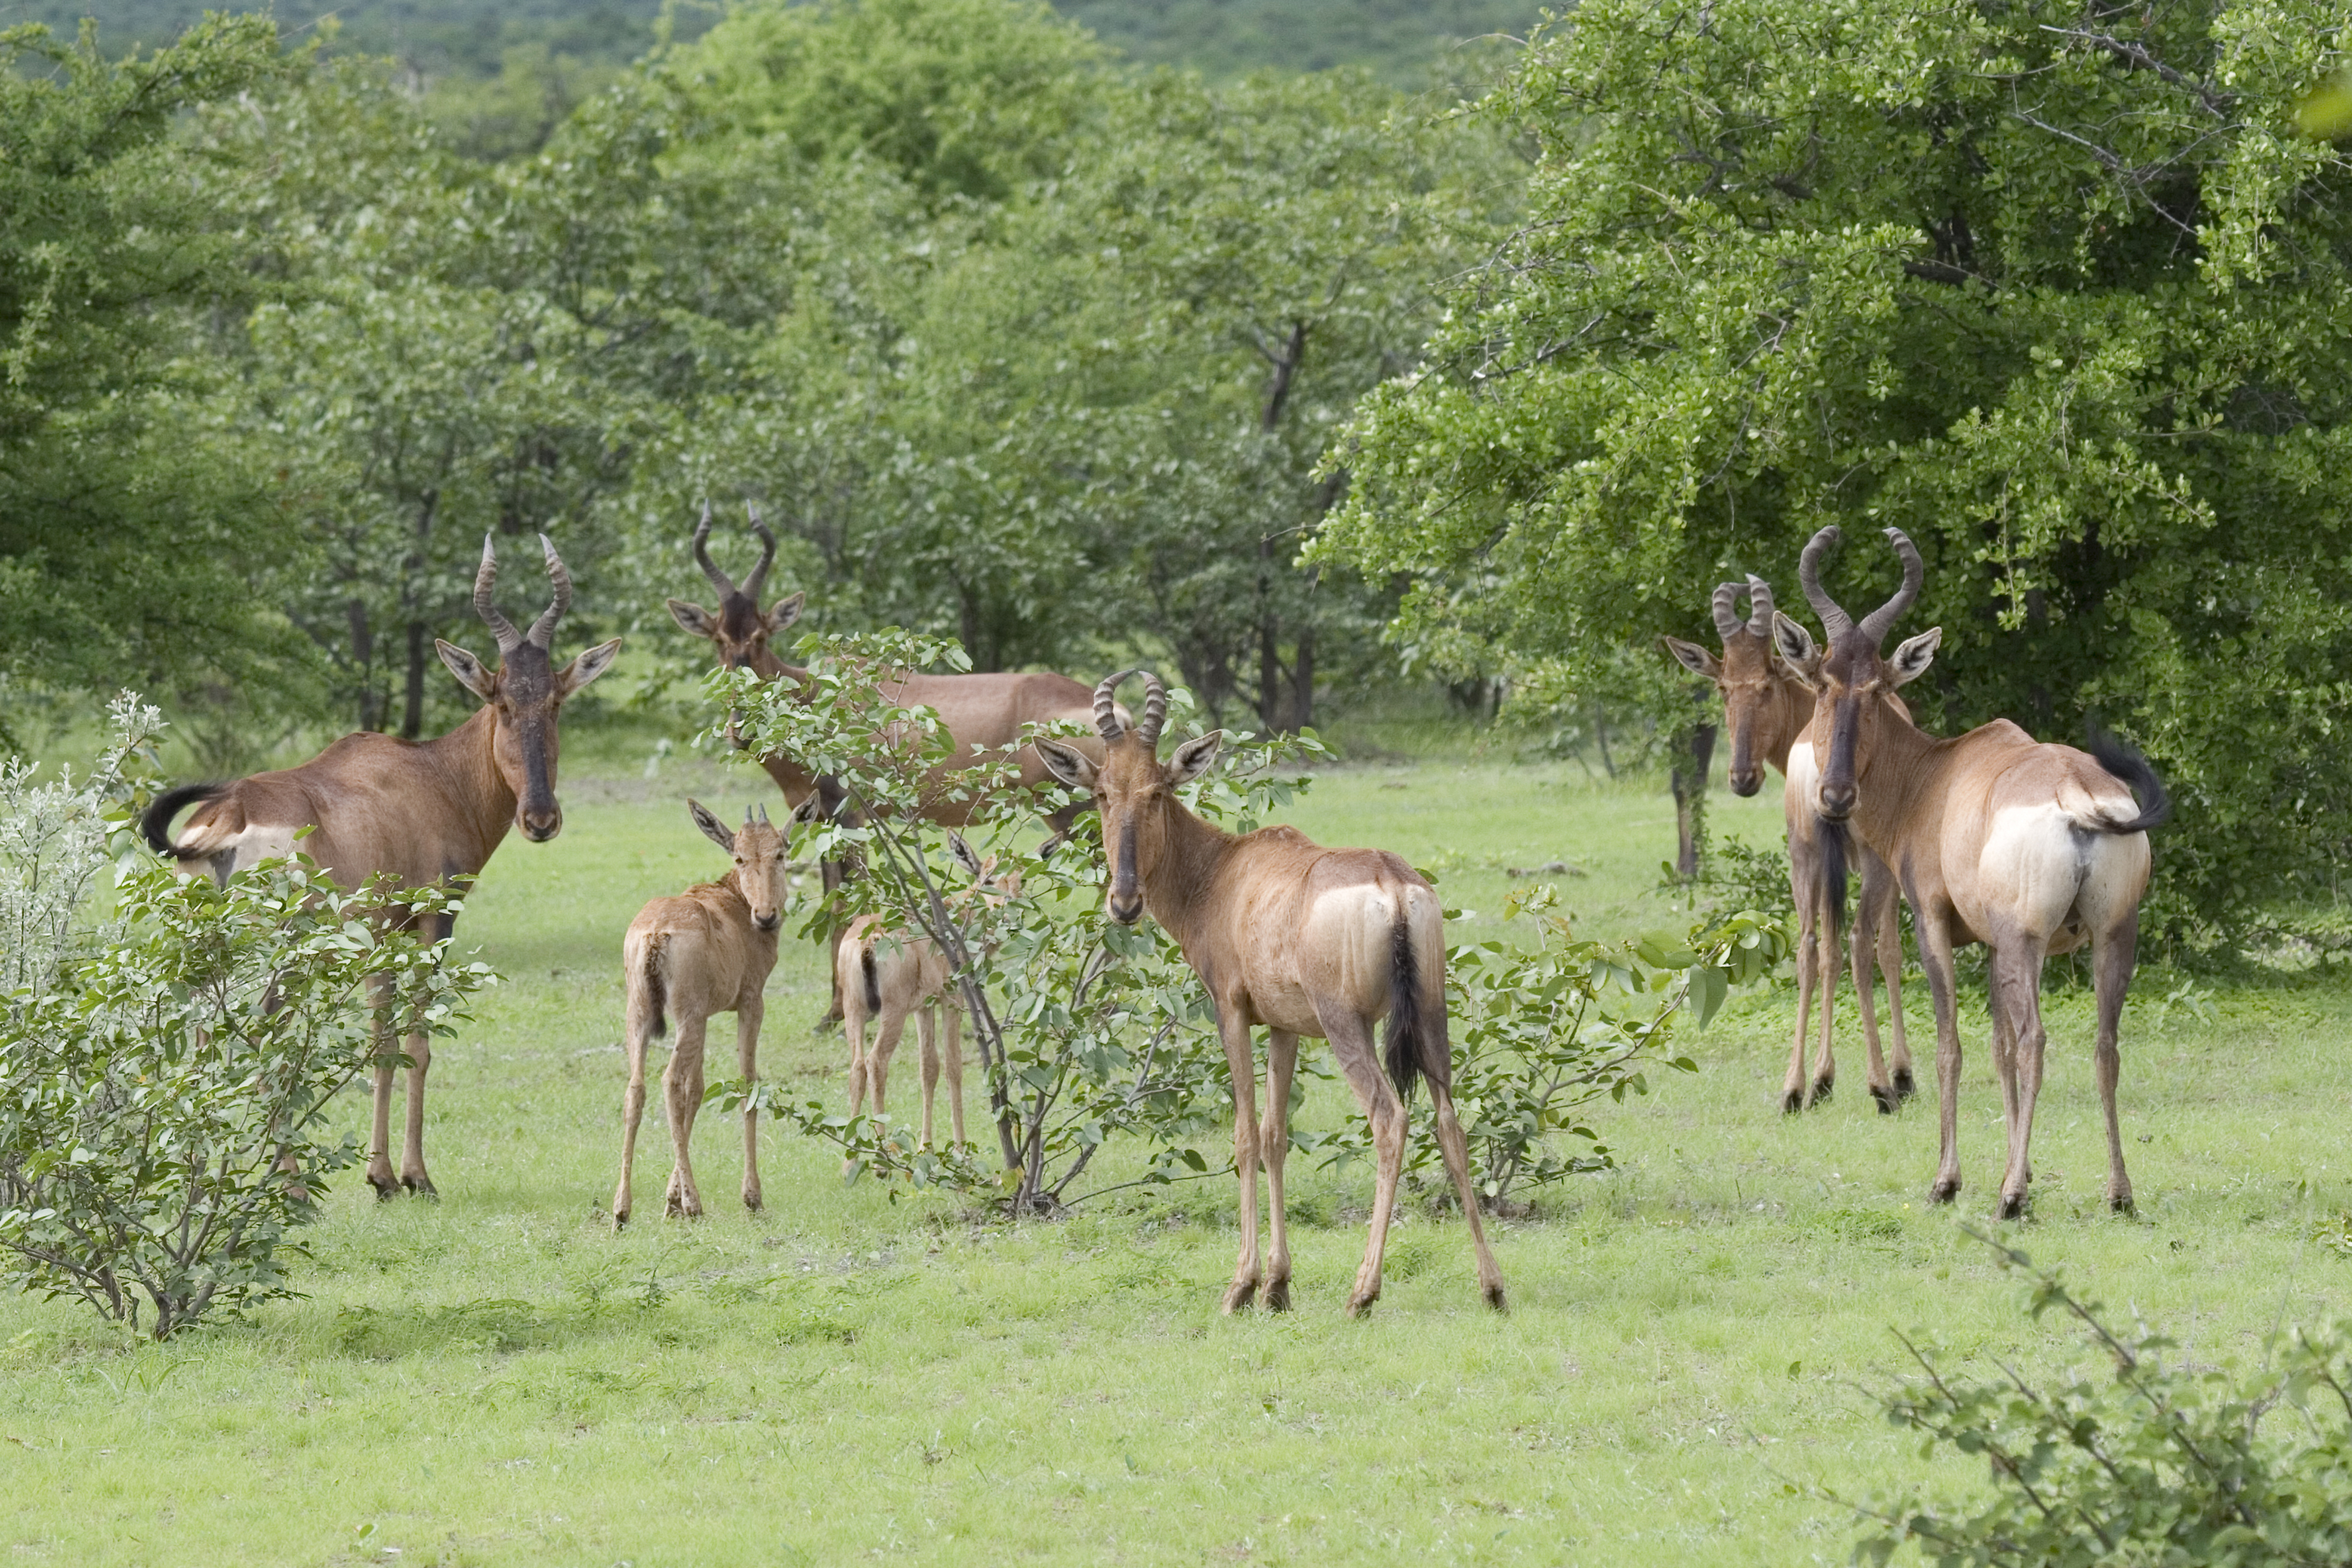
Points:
x=786, y=612
x=1693, y=657
x=469, y=670
x=1073, y=768
x=693, y=620
x=963, y=853
x=717, y=832
x=587, y=666
x=1912, y=660
x=1192, y=758
x=1795, y=646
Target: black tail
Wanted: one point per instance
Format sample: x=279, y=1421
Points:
x=156, y=824
x=2131, y=770
x=873, y=985
x=1408, y=1030
x=1837, y=857
x=657, y=990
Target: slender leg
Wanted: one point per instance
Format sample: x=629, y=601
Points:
x=750, y=1012
x=412, y=1150
x=1352, y=1049
x=633, y=1102
x=1890, y=969
x=2118, y=948
x=2021, y=963
x=1241, y=1063
x=1273, y=1147
x=682, y=1091
x=1877, y=889
x=1936, y=960
x=885, y=1046
x=927, y=1032
x=1457, y=1165
x=954, y=1052
x=384, y=1059
x=1804, y=877
x=1826, y=965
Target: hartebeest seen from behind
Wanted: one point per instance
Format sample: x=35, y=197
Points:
x=428, y=813
x=1301, y=939
x=1767, y=708
x=2028, y=847
x=886, y=973
x=708, y=950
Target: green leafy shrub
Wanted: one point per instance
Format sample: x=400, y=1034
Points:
x=162, y=1100
x=2154, y=1462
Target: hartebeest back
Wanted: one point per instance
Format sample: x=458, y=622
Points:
x=1766, y=706
x=708, y=950
x=886, y=973
x=429, y=811
x=1301, y=939
x=2027, y=848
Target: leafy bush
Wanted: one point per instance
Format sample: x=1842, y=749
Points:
x=161, y=1102
x=55, y=840
x=1747, y=876
x=2156, y=1462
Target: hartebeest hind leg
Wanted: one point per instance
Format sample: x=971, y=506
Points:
x=926, y=1035
x=1890, y=969
x=412, y=1148
x=1352, y=1049
x=639, y=1028
x=1241, y=1065
x=1876, y=931
x=954, y=1052
x=2117, y=950
x=1273, y=1146
x=682, y=1091
x=748, y=1013
x=2017, y=996
x=1936, y=961
x=1456, y=1148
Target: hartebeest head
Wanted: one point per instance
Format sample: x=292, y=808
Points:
x=761, y=857
x=1851, y=678
x=526, y=691
x=739, y=629
x=1134, y=791
x=1750, y=678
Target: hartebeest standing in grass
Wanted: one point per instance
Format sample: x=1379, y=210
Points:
x=708, y=950
x=429, y=811
x=885, y=974
x=1767, y=708
x=2028, y=847
x=1304, y=940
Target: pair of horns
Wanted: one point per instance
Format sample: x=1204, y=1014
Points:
x=1155, y=707
x=719, y=580
x=1875, y=626
x=541, y=634
x=762, y=808
x=1759, y=607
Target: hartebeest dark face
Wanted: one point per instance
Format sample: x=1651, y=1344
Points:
x=1749, y=677
x=1850, y=680
x=744, y=633
x=1134, y=791
x=525, y=692
x=762, y=860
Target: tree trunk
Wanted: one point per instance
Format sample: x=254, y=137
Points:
x=1694, y=752
x=411, y=714
x=364, y=657
x=1302, y=682
x=1600, y=733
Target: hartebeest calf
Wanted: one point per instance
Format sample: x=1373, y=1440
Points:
x=1767, y=708
x=2028, y=847
x=885, y=974
x=1301, y=939
x=428, y=813
x=708, y=950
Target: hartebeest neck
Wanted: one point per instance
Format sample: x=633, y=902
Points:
x=467, y=760
x=1782, y=723
x=1896, y=765
x=1176, y=888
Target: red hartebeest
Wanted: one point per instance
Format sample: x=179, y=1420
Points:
x=1304, y=940
x=1766, y=706
x=2028, y=847
x=708, y=950
x=885, y=974
x=427, y=812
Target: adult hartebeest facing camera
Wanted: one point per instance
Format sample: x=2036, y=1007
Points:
x=429, y=812
x=1304, y=940
x=886, y=973
x=708, y=950
x=1766, y=706
x=2028, y=847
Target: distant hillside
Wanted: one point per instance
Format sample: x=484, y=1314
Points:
x=1399, y=40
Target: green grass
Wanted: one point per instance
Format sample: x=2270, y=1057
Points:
x=499, y=1379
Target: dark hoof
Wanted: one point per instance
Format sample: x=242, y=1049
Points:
x=752, y=1203
x=1887, y=1100
x=1791, y=1103
x=2014, y=1208
x=1822, y=1090
x=620, y=1223
x=1904, y=1085
x=386, y=1189
x=2121, y=1203
x=1278, y=1296
x=1362, y=1308
x=1943, y=1192
x=1239, y=1296
x=1495, y=1299
x=421, y=1187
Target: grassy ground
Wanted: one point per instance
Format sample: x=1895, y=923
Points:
x=499, y=1379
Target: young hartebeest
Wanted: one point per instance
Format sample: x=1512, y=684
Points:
x=708, y=950
x=429, y=812
x=1304, y=940
x=884, y=974
x=2028, y=847
x=1766, y=706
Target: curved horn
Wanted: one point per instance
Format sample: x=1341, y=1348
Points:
x=1107, y=705
x=1726, y=615
x=719, y=580
x=543, y=630
x=1155, y=710
x=1880, y=621
x=763, y=814
x=758, y=577
x=485, y=580
x=1835, y=622
x=1760, y=606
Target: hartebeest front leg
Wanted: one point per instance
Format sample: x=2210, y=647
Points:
x=1802, y=879
x=1273, y=1147
x=1241, y=1065
x=1825, y=933
x=382, y=1060
x=748, y=1013
x=682, y=1091
x=1935, y=960
x=412, y=1148
x=927, y=1035
x=954, y=1052
x=1889, y=928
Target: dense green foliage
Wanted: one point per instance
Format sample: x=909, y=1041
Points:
x=2061, y=292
